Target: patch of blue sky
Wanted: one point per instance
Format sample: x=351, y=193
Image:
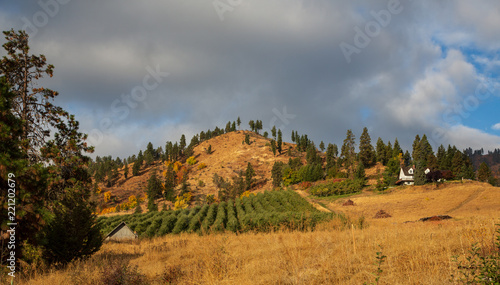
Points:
x=483, y=116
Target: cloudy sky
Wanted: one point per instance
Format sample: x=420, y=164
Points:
x=140, y=71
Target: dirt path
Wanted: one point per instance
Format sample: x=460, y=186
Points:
x=470, y=198
x=304, y=195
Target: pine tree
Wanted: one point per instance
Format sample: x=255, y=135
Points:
x=322, y=146
x=360, y=172
x=277, y=173
x=348, y=151
x=251, y=123
x=73, y=233
x=416, y=149
x=238, y=122
x=381, y=151
x=484, y=172
x=441, y=157
x=456, y=164
x=330, y=157
x=388, y=152
x=293, y=136
x=31, y=103
x=420, y=178
x=279, y=142
x=425, y=150
x=273, y=147
x=249, y=176
x=125, y=171
x=182, y=143
x=136, y=168
x=396, y=150
x=366, y=151
x=273, y=132
x=154, y=191
x=138, y=208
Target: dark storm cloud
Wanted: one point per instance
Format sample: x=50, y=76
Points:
x=263, y=57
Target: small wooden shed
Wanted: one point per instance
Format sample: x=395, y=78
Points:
x=121, y=232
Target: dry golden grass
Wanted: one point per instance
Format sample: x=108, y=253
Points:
x=417, y=253
x=410, y=203
x=336, y=253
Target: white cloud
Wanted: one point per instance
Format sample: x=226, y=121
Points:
x=496, y=126
x=464, y=137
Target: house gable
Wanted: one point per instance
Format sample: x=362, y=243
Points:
x=121, y=232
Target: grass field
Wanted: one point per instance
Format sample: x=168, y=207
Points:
x=335, y=253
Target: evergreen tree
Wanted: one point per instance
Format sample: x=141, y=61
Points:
x=233, y=128
x=348, y=151
x=388, y=152
x=456, y=164
x=322, y=146
x=293, y=136
x=396, y=150
x=279, y=142
x=258, y=126
x=360, y=172
x=273, y=132
x=247, y=139
x=31, y=103
x=154, y=190
x=381, y=151
x=73, y=233
x=407, y=158
x=182, y=143
x=425, y=150
x=125, y=171
x=169, y=192
x=138, y=208
x=330, y=157
x=366, y=151
x=416, y=149
x=277, y=173
x=484, y=172
x=148, y=158
x=273, y=147
x=136, y=168
x=441, y=158
x=31, y=179
x=420, y=178
x=251, y=123
x=249, y=176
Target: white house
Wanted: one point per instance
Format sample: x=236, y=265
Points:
x=407, y=175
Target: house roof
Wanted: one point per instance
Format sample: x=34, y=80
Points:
x=406, y=171
x=117, y=228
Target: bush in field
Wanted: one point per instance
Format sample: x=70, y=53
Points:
x=181, y=224
x=191, y=160
x=195, y=222
x=338, y=188
x=220, y=220
x=209, y=218
x=232, y=220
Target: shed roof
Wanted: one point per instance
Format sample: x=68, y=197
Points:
x=118, y=228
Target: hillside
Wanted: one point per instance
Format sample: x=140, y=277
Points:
x=229, y=156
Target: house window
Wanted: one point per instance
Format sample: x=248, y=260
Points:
x=410, y=171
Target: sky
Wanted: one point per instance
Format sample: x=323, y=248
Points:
x=135, y=72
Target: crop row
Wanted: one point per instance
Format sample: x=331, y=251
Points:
x=262, y=212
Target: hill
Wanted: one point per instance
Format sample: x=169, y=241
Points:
x=229, y=156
